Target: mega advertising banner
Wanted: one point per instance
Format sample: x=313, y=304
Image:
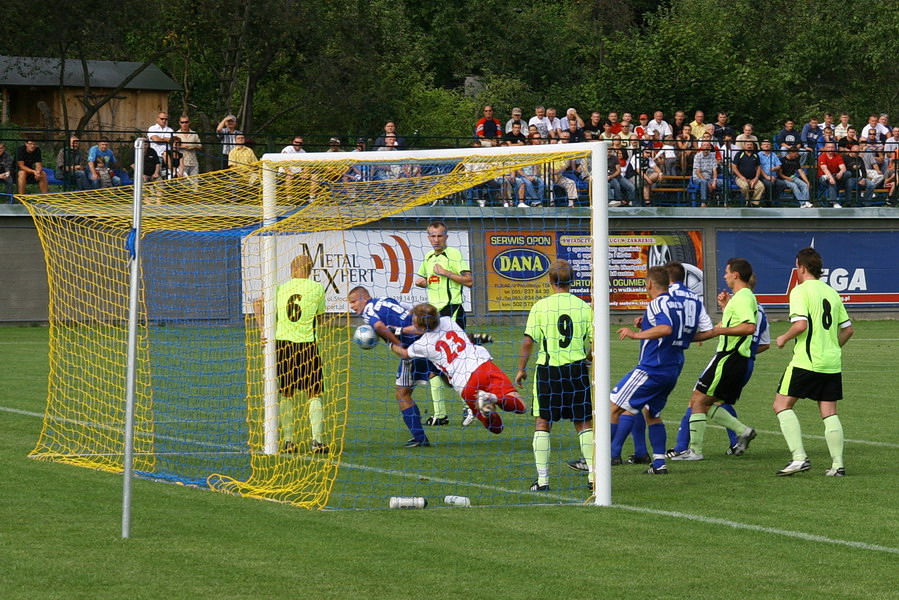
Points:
x=517, y=262
x=385, y=262
x=856, y=264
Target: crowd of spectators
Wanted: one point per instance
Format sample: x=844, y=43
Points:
x=826, y=156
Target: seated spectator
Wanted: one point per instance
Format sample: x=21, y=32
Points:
x=607, y=135
x=697, y=127
x=685, y=150
x=575, y=133
x=101, y=153
x=514, y=137
x=848, y=140
x=891, y=180
x=516, y=118
x=71, y=165
x=722, y=128
x=728, y=148
x=827, y=138
x=666, y=157
x=875, y=166
x=539, y=121
x=295, y=147
x=390, y=130
x=6, y=173
x=571, y=113
x=810, y=134
x=529, y=185
x=747, y=136
x=841, y=129
x=679, y=122
x=106, y=177
x=770, y=162
x=152, y=165
x=488, y=129
x=787, y=138
x=557, y=170
x=858, y=176
x=705, y=172
x=874, y=124
x=641, y=128
x=553, y=123
x=173, y=160
x=747, y=170
x=31, y=167
x=241, y=155
x=873, y=140
x=625, y=130
x=793, y=176
x=832, y=173
x=593, y=127
x=658, y=124
x=613, y=173
x=625, y=179
x=614, y=124
x=647, y=170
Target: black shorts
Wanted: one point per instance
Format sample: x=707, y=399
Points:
x=820, y=387
x=455, y=312
x=563, y=392
x=299, y=368
x=724, y=377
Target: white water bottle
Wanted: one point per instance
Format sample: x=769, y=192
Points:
x=408, y=502
x=457, y=500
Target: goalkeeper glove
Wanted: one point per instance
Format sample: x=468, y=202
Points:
x=479, y=339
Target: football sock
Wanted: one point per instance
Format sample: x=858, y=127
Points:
x=789, y=425
x=412, y=419
x=438, y=395
x=541, y=456
x=833, y=433
x=731, y=434
x=683, y=432
x=316, y=418
x=585, y=438
x=697, y=431
x=638, y=434
x=625, y=422
x=287, y=417
x=657, y=439
x=725, y=419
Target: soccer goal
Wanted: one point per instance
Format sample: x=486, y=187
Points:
x=214, y=249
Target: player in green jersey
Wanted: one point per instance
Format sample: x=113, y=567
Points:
x=821, y=327
x=561, y=328
x=300, y=302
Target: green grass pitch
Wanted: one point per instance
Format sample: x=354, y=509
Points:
x=721, y=528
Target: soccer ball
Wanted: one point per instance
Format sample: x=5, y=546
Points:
x=365, y=337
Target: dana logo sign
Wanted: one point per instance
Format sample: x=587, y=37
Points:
x=521, y=264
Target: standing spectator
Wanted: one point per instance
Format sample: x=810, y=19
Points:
x=102, y=161
x=659, y=124
x=190, y=143
x=295, y=147
x=444, y=273
x=300, y=306
x=793, y=175
x=390, y=130
x=858, y=176
x=71, y=163
x=770, y=163
x=31, y=167
x=6, y=172
x=514, y=137
x=488, y=128
x=540, y=121
x=698, y=125
x=727, y=373
x=240, y=155
x=842, y=128
x=160, y=134
x=554, y=125
x=832, y=173
x=821, y=327
x=747, y=171
x=227, y=132
x=661, y=359
x=722, y=127
x=516, y=118
x=560, y=328
x=705, y=172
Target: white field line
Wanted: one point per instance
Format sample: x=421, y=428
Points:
x=572, y=500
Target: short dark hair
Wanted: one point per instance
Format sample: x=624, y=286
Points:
x=676, y=271
x=560, y=273
x=811, y=261
x=741, y=267
x=426, y=316
x=659, y=276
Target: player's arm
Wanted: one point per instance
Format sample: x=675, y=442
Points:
x=527, y=348
x=845, y=333
x=653, y=333
x=464, y=278
x=388, y=333
x=798, y=325
x=747, y=328
x=399, y=350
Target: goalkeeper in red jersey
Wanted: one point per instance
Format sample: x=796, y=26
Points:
x=469, y=367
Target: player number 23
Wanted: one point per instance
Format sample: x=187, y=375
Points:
x=451, y=346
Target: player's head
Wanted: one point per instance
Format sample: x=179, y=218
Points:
x=301, y=266
x=425, y=316
x=437, y=235
x=657, y=279
x=560, y=274
x=739, y=268
x=358, y=298
x=676, y=271
x=752, y=281
x=810, y=260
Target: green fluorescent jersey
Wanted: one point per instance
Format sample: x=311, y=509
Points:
x=741, y=308
x=818, y=347
x=562, y=327
x=298, y=302
x=442, y=290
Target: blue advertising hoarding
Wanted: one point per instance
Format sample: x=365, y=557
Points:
x=858, y=265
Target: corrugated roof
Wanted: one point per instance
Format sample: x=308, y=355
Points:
x=41, y=72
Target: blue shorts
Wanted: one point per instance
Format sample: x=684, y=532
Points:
x=641, y=388
x=414, y=371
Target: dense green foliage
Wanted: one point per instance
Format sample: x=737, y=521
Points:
x=333, y=67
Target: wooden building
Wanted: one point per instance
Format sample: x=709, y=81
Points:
x=33, y=94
